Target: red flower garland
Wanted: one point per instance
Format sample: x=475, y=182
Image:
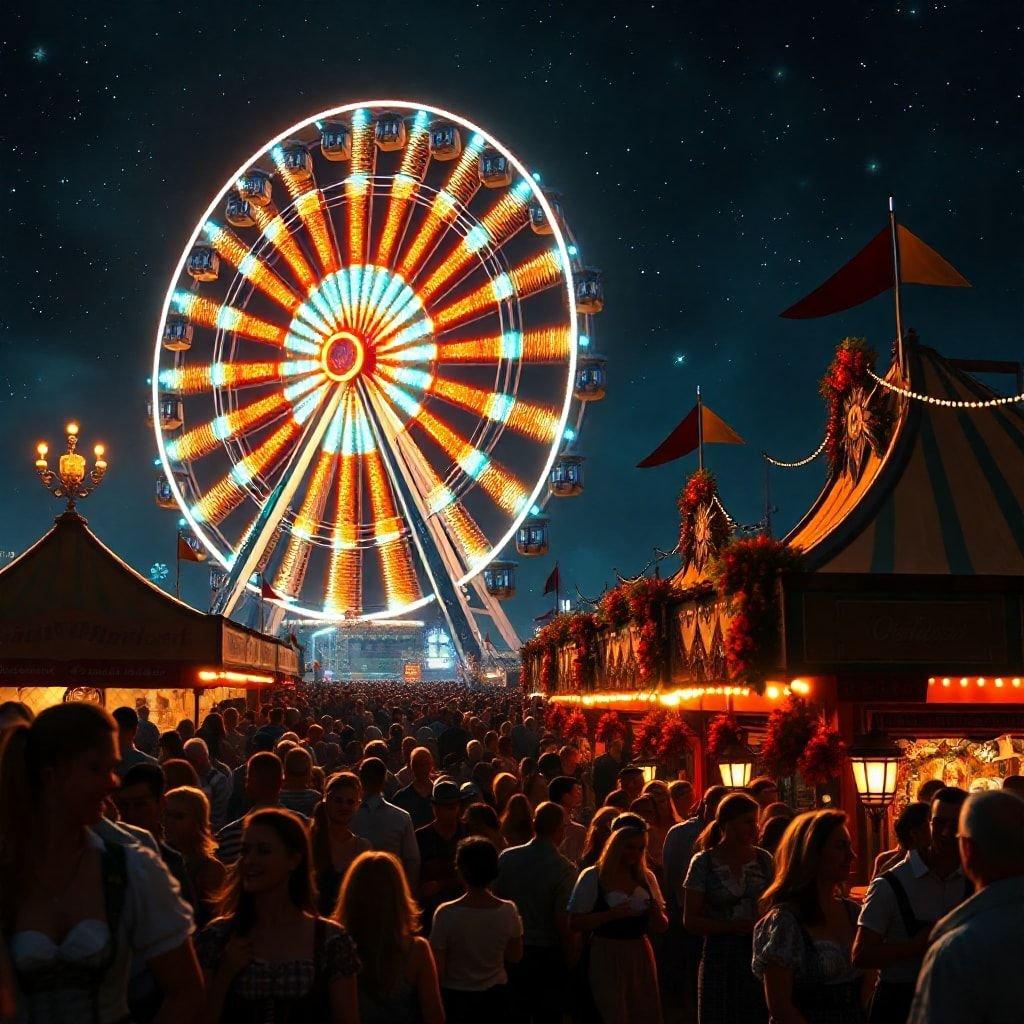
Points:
x=701, y=489
x=583, y=631
x=724, y=732
x=848, y=370
x=554, y=719
x=787, y=733
x=575, y=726
x=823, y=758
x=647, y=734
x=610, y=725
x=676, y=738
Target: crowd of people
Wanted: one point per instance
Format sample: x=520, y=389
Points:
x=392, y=854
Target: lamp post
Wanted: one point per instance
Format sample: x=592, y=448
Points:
x=736, y=764
x=69, y=479
x=875, y=759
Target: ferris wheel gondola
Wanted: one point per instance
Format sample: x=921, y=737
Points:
x=373, y=359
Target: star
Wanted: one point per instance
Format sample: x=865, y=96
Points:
x=680, y=359
x=39, y=54
x=873, y=167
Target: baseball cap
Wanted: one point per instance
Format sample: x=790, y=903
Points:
x=469, y=791
x=445, y=792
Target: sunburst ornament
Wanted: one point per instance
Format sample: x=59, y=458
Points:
x=862, y=435
x=702, y=536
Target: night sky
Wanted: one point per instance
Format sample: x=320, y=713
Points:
x=717, y=160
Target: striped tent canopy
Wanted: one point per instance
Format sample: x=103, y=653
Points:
x=945, y=496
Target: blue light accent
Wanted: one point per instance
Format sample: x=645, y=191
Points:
x=172, y=452
x=573, y=251
x=298, y=327
x=217, y=375
x=156, y=462
x=501, y=407
x=169, y=378
x=474, y=463
x=380, y=283
x=277, y=154
x=227, y=318
x=292, y=367
x=360, y=117
x=412, y=332
x=247, y=265
x=332, y=440
x=197, y=514
x=294, y=390
x=569, y=434
x=414, y=378
x=307, y=313
x=512, y=345
x=240, y=473
x=305, y=408
x=221, y=428
x=149, y=382
x=477, y=238
x=441, y=499
x=348, y=437
x=520, y=502
x=402, y=399
x=366, y=439
x=210, y=229
x=502, y=286
x=357, y=181
x=536, y=176
x=181, y=301
x=522, y=190
x=182, y=522
x=535, y=510
x=421, y=119
x=416, y=354
x=477, y=141
x=295, y=344
x=584, y=341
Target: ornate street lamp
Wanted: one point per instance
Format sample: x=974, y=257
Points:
x=736, y=764
x=875, y=759
x=69, y=480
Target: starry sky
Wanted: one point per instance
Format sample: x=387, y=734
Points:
x=717, y=160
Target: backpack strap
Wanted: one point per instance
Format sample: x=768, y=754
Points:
x=114, y=874
x=910, y=921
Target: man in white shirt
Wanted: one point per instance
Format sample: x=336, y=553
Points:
x=903, y=904
x=387, y=828
x=972, y=971
x=213, y=783
x=568, y=794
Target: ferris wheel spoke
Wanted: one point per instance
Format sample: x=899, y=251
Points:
x=344, y=589
x=229, y=492
x=201, y=440
x=357, y=188
x=208, y=313
x=278, y=234
x=199, y=377
x=526, y=279
x=309, y=202
x=403, y=186
x=502, y=222
x=458, y=191
x=233, y=250
x=540, y=345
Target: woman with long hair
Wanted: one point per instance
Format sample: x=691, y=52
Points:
x=398, y=983
x=335, y=845
x=618, y=902
x=75, y=910
x=517, y=821
x=270, y=957
x=720, y=903
x=187, y=830
x=598, y=831
x=802, y=945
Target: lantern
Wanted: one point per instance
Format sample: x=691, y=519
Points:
x=875, y=760
x=649, y=768
x=736, y=764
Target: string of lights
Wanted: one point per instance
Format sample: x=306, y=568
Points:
x=799, y=462
x=946, y=403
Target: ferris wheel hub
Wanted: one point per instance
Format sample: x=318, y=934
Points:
x=342, y=356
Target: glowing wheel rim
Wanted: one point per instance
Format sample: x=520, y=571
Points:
x=433, y=304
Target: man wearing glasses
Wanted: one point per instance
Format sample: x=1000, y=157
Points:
x=903, y=904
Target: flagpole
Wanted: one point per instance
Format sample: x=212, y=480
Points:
x=177, y=566
x=700, y=431
x=261, y=603
x=896, y=290
x=558, y=588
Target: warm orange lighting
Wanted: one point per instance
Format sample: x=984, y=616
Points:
x=42, y=448
x=72, y=429
x=999, y=684
x=223, y=675
x=98, y=451
x=963, y=681
x=946, y=681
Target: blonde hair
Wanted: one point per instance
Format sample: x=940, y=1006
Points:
x=198, y=806
x=598, y=832
x=610, y=861
x=797, y=858
x=376, y=908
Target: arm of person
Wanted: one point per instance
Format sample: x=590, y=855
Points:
x=428, y=990
x=181, y=982
x=946, y=986
x=582, y=916
x=695, y=922
x=658, y=919
x=344, y=997
x=871, y=950
x=778, y=992
x=514, y=950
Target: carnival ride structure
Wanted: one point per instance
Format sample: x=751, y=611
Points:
x=371, y=371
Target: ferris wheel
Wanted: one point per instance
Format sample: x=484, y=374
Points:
x=372, y=367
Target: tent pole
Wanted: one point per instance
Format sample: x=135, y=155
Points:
x=896, y=287
x=700, y=431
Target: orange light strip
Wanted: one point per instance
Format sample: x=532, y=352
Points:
x=226, y=495
x=544, y=345
x=357, y=186
x=208, y=313
x=344, y=569
x=414, y=163
x=234, y=251
x=314, y=215
x=539, y=422
x=191, y=380
x=202, y=440
x=271, y=223
x=295, y=561
x=544, y=270
x=209, y=676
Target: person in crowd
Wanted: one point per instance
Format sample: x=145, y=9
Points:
x=903, y=904
x=680, y=792
x=598, y=831
x=802, y=944
x=913, y=832
x=679, y=847
x=517, y=821
x=504, y=786
x=764, y=790
x=619, y=799
x=454, y=739
x=549, y=765
x=479, y=819
x=170, y=746
x=1014, y=784
x=187, y=828
x=473, y=937
x=663, y=820
x=238, y=802
x=569, y=757
x=437, y=843
x=232, y=744
x=972, y=970
x=927, y=790
x=387, y=828
x=416, y=796
x=404, y=774
x=539, y=880
x=398, y=981
x=178, y=772
x=644, y=806
x=186, y=729
x=212, y=733
x=213, y=783
x=721, y=892
x=147, y=735
x=525, y=738
x=568, y=794
x=535, y=788
x=140, y=802
x=773, y=826
x=335, y=845
x=270, y=957
x=263, y=779
x=297, y=793
x=76, y=910
x=631, y=779
x=127, y=730
x=617, y=902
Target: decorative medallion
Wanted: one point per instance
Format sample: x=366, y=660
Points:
x=862, y=436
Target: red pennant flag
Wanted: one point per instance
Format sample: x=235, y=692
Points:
x=268, y=593
x=554, y=582
x=684, y=439
x=187, y=553
x=870, y=273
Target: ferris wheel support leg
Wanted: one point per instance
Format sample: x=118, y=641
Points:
x=275, y=506
x=464, y=636
x=493, y=609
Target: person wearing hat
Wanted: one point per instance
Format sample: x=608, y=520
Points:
x=437, y=841
x=469, y=793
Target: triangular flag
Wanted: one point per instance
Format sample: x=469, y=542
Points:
x=870, y=273
x=268, y=593
x=187, y=553
x=684, y=439
x=553, y=582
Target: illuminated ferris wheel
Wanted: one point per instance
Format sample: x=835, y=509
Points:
x=372, y=367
